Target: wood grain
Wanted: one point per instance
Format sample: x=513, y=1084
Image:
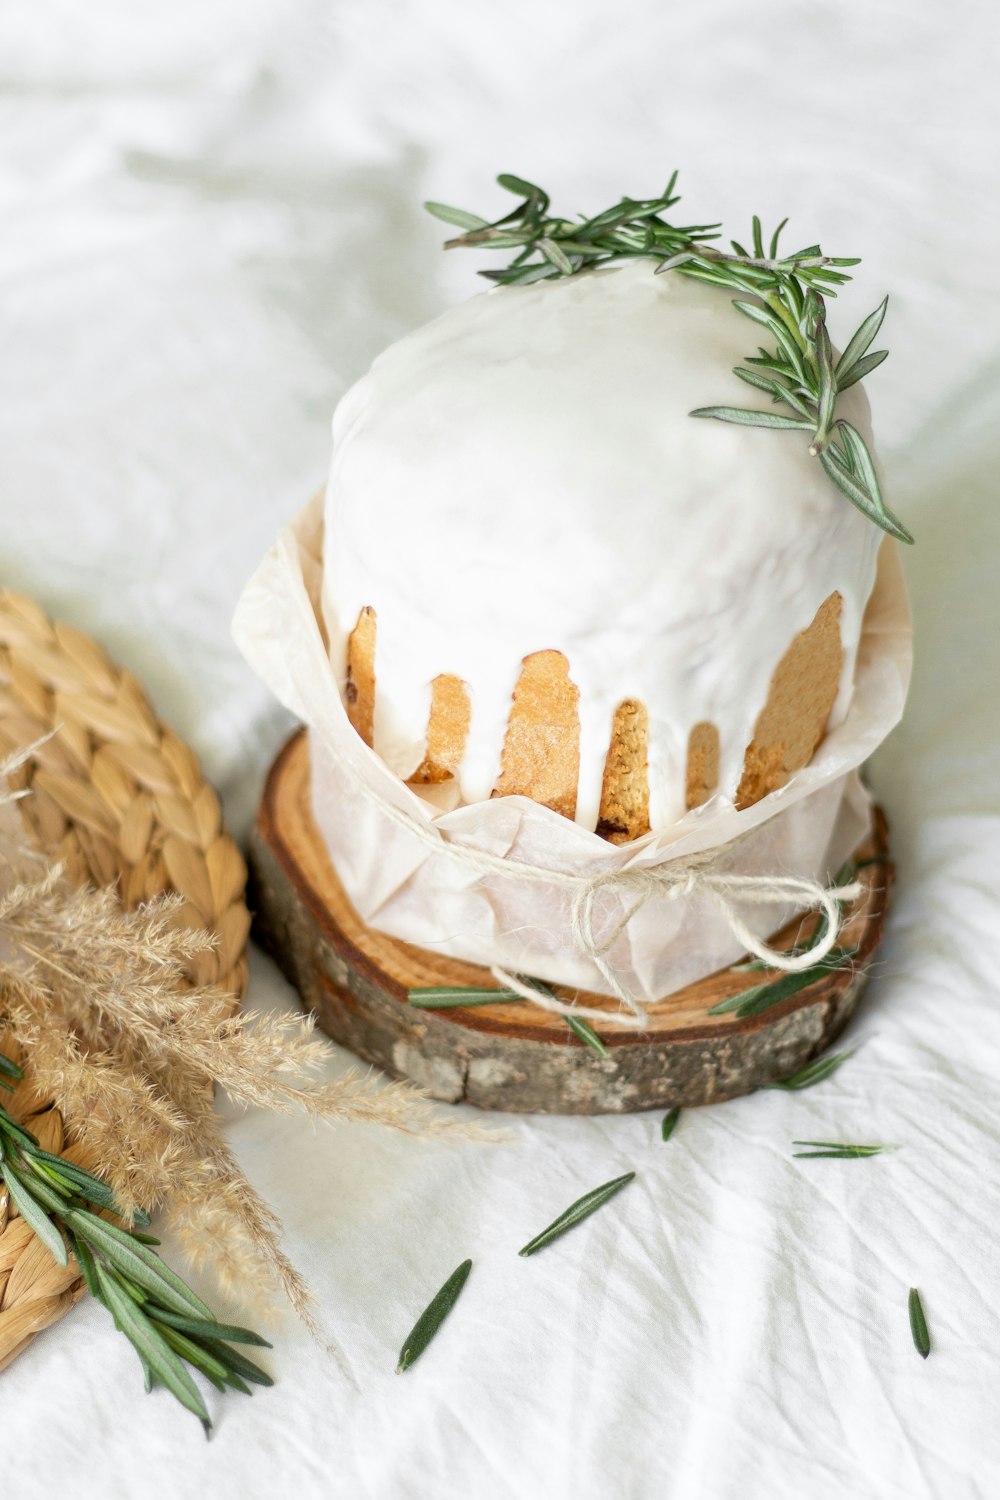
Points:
x=513, y=1056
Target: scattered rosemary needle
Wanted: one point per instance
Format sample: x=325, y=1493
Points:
x=432, y=1317
x=581, y=1209
x=456, y=996
x=799, y=372
x=587, y=1034
x=918, y=1324
x=669, y=1121
x=761, y=997
x=839, y=1149
x=812, y=1073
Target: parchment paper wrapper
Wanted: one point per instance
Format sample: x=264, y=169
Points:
x=807, y=828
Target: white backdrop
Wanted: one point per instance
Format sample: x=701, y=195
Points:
x=211, y=224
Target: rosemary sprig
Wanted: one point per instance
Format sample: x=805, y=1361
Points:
x=577, y=1212
x=457, y=996
x=918, y=1324
x=798, y=371
x=583, y=1029
x=432, y=1317
x=169, y=1327
x=812, y=1073
x=760, y=997
x=669, y=1122
x=839, y=1150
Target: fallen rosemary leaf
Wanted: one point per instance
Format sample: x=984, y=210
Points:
x=581, y=1209
x=432, y=1317
x=669, y=1121
x=761, y=997
x=587, y=1034
x=454, y=996
x=457, y=997
x=918, y=1324
x=814, y=1072
x=839, y=1149
x=34, y=1214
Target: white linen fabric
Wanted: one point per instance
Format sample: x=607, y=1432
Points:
x=211, y=225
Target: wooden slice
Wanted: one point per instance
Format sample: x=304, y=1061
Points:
x=514, y=1056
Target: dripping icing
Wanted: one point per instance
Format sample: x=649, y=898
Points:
x=671, y=561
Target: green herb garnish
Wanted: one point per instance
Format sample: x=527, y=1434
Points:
x=168, y=1326
x=583, y=1029
x=578, y=1211
x=798, y=371
x=669, y=1121
x=918, y=1324
x=812, y=1073
x=456, y=996
x=432, y=1317
x=761, y=997
x=839, y=1149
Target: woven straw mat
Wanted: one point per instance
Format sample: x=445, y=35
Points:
x=121, y=801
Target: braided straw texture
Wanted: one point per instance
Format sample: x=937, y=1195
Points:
x=120, y=800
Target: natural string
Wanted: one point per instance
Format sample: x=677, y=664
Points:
x=666, y=882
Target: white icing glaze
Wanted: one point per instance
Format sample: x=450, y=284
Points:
x=523, y=474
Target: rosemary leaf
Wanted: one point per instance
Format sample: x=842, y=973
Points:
x=83, y=1184
x=587, y=1034
x=238, y=1364
x=861, y=369
x=745, y=418
x=455, y=996
x=202, y=1359
x=87, y=1264
x=839, y=1150
x=669, y=1122
x=761, y=997
x=860, y=459
x=873, y=508
x=918, y=1324
x=457, y=216
x=155, y=1353
x=827, y=383
x=578, y=1211
x=432, y=1317
x=208, y=1328
x=813, y=1073
x=860, y=343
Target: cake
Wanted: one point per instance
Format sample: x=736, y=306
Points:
x=542, y=579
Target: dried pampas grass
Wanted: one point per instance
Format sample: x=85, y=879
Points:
x=128, y=1049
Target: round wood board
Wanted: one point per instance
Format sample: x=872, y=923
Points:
x=513, y=1056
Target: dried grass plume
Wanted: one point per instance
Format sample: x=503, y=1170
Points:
x=128, y=1049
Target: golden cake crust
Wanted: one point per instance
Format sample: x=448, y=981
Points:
x=541, y=750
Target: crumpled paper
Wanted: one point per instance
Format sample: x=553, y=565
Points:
x=806, y=829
